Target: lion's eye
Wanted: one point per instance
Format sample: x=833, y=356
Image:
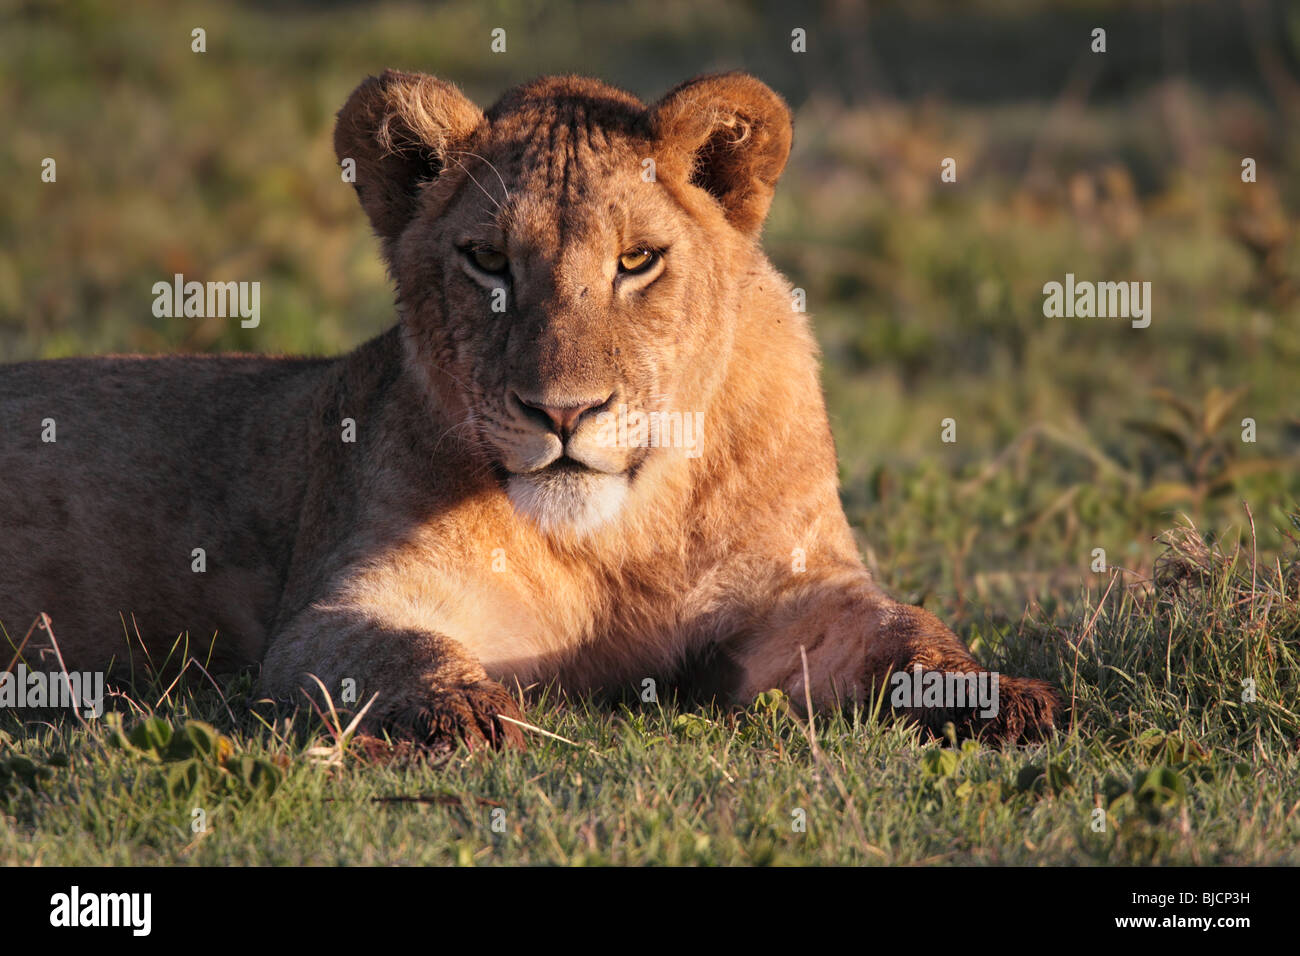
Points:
x=638, y=260
x=489, y=260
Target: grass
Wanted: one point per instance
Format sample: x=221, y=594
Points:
x=1164, y=764
x=1072, y=435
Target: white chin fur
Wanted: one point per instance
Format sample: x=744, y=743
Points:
x=568, y=502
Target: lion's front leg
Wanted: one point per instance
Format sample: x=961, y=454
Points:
x=859, y=644
x=429, y=687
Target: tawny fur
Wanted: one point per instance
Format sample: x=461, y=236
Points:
x=399, y=561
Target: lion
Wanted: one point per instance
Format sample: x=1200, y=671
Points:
x=592, y=451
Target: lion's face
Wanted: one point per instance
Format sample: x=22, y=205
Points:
x=558, y=299
x=562, y=277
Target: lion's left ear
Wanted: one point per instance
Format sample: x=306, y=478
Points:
x=730, y=135
x=399, y=128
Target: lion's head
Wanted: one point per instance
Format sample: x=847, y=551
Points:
x=568, y=265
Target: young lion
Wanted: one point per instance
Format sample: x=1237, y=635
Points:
x=593, y=449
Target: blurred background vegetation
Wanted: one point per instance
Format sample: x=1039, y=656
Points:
x=1072, y=434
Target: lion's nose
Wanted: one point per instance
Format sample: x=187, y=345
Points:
x=561, y=418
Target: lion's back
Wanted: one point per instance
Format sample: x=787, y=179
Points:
x=113, y=471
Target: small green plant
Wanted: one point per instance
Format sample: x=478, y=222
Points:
x=1196, y=454
x=196, y=762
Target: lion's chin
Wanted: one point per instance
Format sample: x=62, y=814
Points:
x=568, y=502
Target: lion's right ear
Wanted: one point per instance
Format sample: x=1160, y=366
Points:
x=398, y=129
x=730, y=135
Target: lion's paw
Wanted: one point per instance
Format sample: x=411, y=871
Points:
x=471, y=713
x=1027, y=711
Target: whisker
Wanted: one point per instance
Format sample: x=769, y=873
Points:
x=490, y=197
x=488, y=163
